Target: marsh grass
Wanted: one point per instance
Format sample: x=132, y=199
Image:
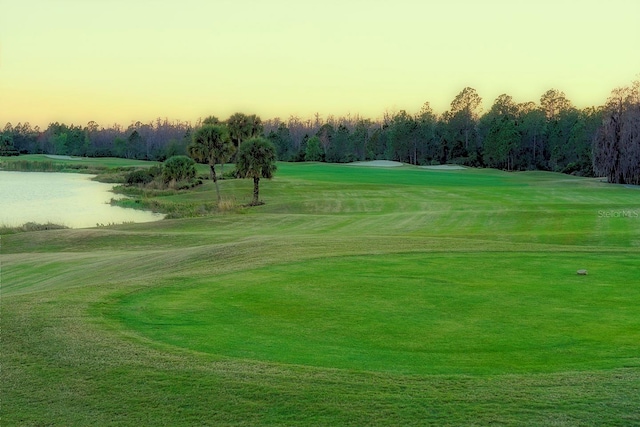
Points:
x=170, y=209
x=354, y=296
x=227, y=204
x=44, y=166
x=112, y=170
x=30, y=226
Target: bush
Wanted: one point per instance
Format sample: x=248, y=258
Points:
x=139, y=176
x=230, y=174
x=8, y=151
x=178, y=168
x=6, y=146
x=579, y=169
x=143, y=176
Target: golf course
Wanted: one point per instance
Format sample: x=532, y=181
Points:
x=355, y=295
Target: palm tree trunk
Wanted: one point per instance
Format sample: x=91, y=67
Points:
x=215, y=180
x=256, y=191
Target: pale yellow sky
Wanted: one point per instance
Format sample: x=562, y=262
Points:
x=125, y=60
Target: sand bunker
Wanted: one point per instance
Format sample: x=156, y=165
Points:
x=57, y=157
x=379, y=163
x=444, y=167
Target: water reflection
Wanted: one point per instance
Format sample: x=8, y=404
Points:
x=66, y=199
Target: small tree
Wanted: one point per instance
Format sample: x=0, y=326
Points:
x=313, y=152
x=178, y=168
x=211, y=144
x=256, y=159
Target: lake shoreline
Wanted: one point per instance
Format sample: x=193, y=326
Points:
x=70, y=200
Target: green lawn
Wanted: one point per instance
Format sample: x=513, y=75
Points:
x=354, y=296
x=420, y=313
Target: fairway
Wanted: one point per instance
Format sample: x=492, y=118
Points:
x=354, y=296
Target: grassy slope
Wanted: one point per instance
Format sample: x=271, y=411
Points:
x=243, y=318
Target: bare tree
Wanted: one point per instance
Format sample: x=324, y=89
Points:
x=616, y=148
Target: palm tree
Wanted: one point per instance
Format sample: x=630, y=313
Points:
x=242, y=127
x=211, y=144
x=256, y=159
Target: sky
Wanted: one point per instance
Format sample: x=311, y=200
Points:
x=121, y=61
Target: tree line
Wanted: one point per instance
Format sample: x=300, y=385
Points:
x=550, y=135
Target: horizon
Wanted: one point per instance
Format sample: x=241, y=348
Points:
x=116, y=62
x=485, y=106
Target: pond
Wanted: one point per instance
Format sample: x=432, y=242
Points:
x=68, y=199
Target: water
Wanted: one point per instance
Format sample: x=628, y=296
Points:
x=68, y=199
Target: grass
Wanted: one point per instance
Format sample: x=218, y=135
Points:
x=30, y=226
x=418, y=313
x=354, y=296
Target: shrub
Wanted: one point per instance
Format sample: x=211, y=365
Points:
x=143, y=176
x=230, y=174
x=139, y=176
x=8, y=151
x=6, y=146
x=178, y=168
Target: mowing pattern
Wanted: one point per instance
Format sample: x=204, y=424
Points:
x=354, y=296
